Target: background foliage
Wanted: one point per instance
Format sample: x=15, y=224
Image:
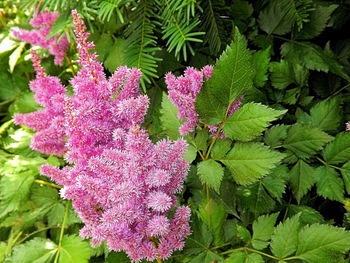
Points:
x=276, y=188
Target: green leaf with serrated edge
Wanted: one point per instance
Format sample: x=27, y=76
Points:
x=200, y=239
x=43, y=195
x=119, y=257
x=312, y=57
x=338, y=151
x=243, y=234
x=255, y=198
x=74, y=250
x=321, y=243
x=328, y=183
x=230, y=229
x=220, y=148
x=346, y=176
x=190, y=154
x=261, y=60
x=209, y=108
x=169, y=121
x=56, y=215
x=201, y=139
x=275, y=186
x=301, y=179
x=233, y=72
x=250, y=161
x=214, y=215
x=305, y=141
x=278, y=17
x=226, y=198
x=318, y=21
x=275, y=135
x=308, y=215
x=281, y=74
x=207, y=257
x=241, y=257
x=284, y=239
x=210, y=173
x=326, y=115
x=116, y=56
x=15, y=190
x=263, y=227
x=38, y=250
x=249, y=121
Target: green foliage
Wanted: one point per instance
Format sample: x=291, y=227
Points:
x=169, y=120
x=301, y=179
x=329, y=185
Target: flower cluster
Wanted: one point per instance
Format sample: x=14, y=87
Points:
x=348, y=126
x=49, y=122
x=44, y=22
x=121, y=184
x=183, y=92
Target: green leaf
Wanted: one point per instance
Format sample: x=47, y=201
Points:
x=338, y=151
x=209, y=108
x=233, y=73
x=318, y=21
x=275, y=186
x=308, y=215
x=220, y=148
x=278, y=17
x=15, y=56
x=74, y=250
x=346, y=176
x=38, y=250
x=326, y=115
x=328, y=183
x=168, y=118
x=285, y=237
x=120, y=257
x=275, y=135
x=305, y=141
x=190, y=154
x=281, y=74
x=207, y=257
x=201, y=139
x=249, y=121
x=243, y=234
x=250, y=161
x=115, y=57
x=263, y=227
x=301, y=179
x=241, y=257
x=321, y=243
x=312, y=57
x=210, y=173
x=200, y=239
x=226, y=198
x=43, y=195
x=261, y=60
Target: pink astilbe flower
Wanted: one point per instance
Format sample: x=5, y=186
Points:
x=348, y=126
x=44, y=22
x=183, y=92
x=49, y=122
x=121, y=184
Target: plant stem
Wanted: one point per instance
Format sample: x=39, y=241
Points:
x=70, y=64
x=62, y=232
x=329, y=165
x=38, y=181
x=35, y=232
x=251, y=250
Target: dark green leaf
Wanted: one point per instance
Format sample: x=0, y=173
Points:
x=328, y=183
x=338, y=151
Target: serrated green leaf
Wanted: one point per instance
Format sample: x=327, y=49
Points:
x=115, y=57
x=328, y=183
x=201, y=139
x=318, y=21
x=74, y=250
x=346, y=176
x=284, y=239
x=43, y=195
x=312, y=57
x=281, y=74
x=301, y=179
x=255, y=198
x=321, y=243
x=207, y=257
x=250, y=161
x=226, y=198
x=276, y=134
x=261, y=60
x=37, y=250
x=243, y=234
x=249, y=121
x=305, y=141
x=275, y=186
x=278, y=17
x=209, y=108
x=220, y=148
x=326, y=115
x=233, y=73
x=308, y=215
x=119, y=257
x=200, y=239
x=338, y=151
x=168, y=118
x=210, y=173
x=241, y=257
x=190, y=154
x=263, y=227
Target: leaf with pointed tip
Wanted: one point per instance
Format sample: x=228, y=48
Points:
x=338, y=151
x=261, y=60
x=211, y=173
x=263, y=227
x=326, y=115
x=169, y=120
x=328, y=183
